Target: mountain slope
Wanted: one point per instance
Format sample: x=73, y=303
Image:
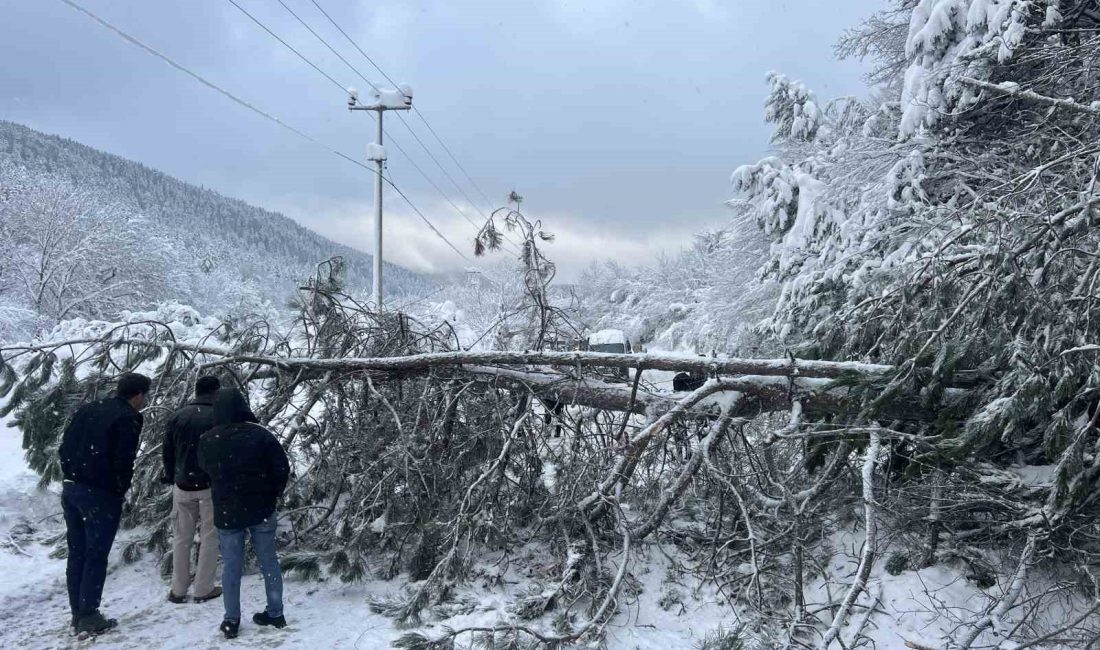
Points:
x=268, y=248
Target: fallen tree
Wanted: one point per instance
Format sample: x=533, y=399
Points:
x=415, y=464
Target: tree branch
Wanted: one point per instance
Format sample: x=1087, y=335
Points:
x=1031, y=96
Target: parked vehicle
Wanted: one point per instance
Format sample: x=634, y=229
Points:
x=609, y=341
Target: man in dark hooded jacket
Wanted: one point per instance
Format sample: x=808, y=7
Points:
x=191, y=503
x=248, y=471
x=97, y=453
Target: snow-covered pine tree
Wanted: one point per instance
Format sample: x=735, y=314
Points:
x=950, y=225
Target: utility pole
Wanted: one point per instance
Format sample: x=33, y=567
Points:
x=380, y=101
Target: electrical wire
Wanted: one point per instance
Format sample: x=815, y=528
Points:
x=288, y=46
x=325, y=43
x=344, y=88
x=209, y=84
x=366, y=56
x=396, y=144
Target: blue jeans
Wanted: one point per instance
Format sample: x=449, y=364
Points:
x=232, y=546
x=91, y=521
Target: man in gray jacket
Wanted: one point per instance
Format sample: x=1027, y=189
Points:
x=191, y=504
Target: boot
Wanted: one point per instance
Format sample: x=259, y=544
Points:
x=95, y=623
x=230, y=628
x=176, y=600
x=214, y=593
x=263, y=619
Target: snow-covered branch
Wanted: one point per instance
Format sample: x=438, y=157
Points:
x=870, y=543
x=1010, y=89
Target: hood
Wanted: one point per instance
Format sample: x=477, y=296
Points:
x=230, y=407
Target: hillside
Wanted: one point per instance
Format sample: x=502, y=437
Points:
x=216, y=231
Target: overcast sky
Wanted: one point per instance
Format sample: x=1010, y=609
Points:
x=619, y=121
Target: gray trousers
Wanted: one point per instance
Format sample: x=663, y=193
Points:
x=191, y=510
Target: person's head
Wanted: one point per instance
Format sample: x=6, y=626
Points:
x=133, y=388
x=206, y=386
x=231, y=407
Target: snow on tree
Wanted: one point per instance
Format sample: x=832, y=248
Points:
x=937, y=275
x=950, y=41
x=706, y=298
x=793, y=109
x=953, y=230
x=71, y=252
x=216, y=241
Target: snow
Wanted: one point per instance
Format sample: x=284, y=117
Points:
x=951, y=39
x=376, y=152
x=20, y=503
x=549, y=476
x=1040, y=476
x=389, y=98
x=326, y=614
x=921, y=606
x=608, y=337
x=671, y=610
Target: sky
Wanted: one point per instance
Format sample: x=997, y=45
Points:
x=618, y=121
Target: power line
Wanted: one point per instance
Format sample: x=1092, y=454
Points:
x=438, y=139
x=356, y=46
x=396, y=144
x=441, y=168
x=287, y=45
x=415, y=110
x=343, y=88
x=354, y=69
x=325, y=43
x=425, y=219
x=209, y=84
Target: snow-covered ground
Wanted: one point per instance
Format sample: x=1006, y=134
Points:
x=668, y=611
x=321, y=614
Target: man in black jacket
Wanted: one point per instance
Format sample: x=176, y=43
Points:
x=97, y=453
x=248, y=472
x=191, y=504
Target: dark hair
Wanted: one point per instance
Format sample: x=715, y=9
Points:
x=207, y=385
x=132, y=384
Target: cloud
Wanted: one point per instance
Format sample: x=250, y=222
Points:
x=620, y=120
x=578, y=240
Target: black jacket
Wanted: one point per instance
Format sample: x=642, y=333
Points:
x=100, y=443
x=181, y=444
x=247, y=466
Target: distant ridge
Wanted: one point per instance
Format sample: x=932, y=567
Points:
x=269, y=247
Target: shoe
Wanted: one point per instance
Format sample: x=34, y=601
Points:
x=262, y=618
x=214, y=593
x=95, y=623
x=230, y=628
x=176, y=600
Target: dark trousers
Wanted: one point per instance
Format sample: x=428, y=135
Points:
x=91, y=519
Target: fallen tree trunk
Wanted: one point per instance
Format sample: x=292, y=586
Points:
x=717, y=366
x=757, y=394
x=767, y=385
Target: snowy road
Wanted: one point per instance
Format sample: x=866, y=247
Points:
x=922, y=606
x=32, y=589
x=325, y=614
